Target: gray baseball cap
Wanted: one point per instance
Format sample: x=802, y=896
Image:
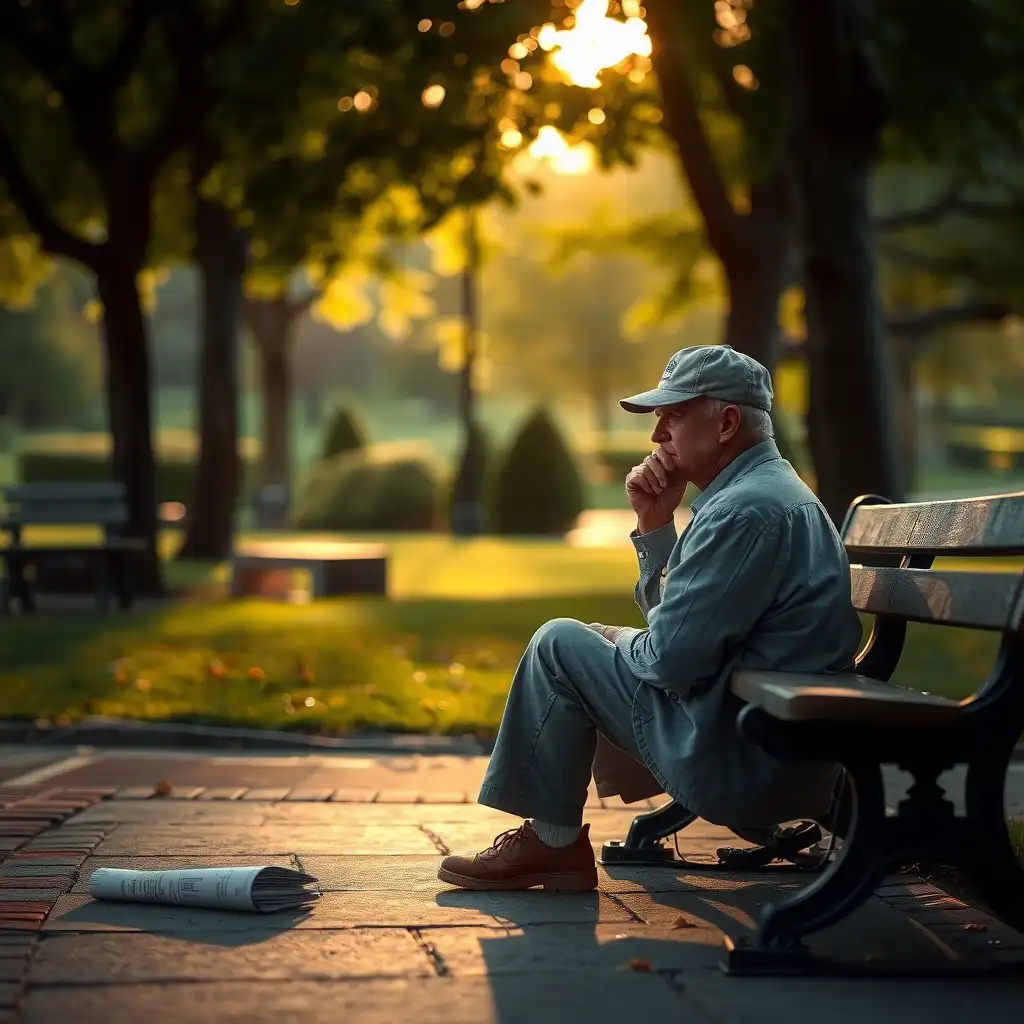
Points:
x=717, y=371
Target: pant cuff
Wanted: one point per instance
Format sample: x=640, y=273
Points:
x=526, y=806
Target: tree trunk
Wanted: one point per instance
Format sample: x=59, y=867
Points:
x=838, y=118
x=272, y=322
x=467, y=489
x=129, y=390
x=904, y=362
x=221, y=254
x=601, y=404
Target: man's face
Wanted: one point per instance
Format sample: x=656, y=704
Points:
x=694, y=435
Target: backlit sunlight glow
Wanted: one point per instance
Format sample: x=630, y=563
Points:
x=594, y=43
x=551, y=145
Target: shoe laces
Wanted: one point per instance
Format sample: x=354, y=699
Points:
x=508, y=839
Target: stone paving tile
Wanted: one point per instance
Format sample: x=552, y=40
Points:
x=291, y=955
x=170, y=863
x=309, y=795
x=185, y=792
x=596, y=997
x=262, y=840
x=12, y=971
x=78, y=912
x=853, y=1001
x=397, y=796
x=354, y=796
x=174, y=811
x=9, y=896
x=222, y=793
x=370, y=874
x=572, y=947
x=265, y=794
x=386, y=814
x=134, y=793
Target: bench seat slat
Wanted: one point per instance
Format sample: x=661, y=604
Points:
x=98, y=490
x=969, y=527
x=805, y=697
x=66, y=514
x=976, y=600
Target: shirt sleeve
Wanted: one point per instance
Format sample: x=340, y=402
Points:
x=725, y=580
x=652, y=551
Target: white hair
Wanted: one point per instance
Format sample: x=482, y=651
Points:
x=754, y=422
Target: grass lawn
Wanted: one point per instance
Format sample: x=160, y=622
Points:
x=437, y=655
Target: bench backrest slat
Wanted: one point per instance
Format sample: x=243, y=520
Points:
x=977, y=600
x=100, y=503
x=974, y=527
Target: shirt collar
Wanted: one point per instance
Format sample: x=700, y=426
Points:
x=763, y=452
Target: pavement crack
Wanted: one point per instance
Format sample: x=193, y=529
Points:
x=626, y=907
x=435, y=839
x=432, y=953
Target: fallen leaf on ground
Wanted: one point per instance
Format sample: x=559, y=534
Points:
x=640, y=964
x=974, y=926
x=682, y=921
x=163, y=788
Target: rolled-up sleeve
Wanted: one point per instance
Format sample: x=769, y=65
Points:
x=652, y=551
x=725, y=580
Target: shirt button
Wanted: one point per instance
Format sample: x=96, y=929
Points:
x=643, y=555
x=674, y=697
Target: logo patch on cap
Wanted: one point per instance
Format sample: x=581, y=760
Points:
x=668, y=369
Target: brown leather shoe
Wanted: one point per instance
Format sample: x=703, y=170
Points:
x=519, y=860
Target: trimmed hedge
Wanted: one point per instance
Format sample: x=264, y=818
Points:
x=346, y=432
x=367, y=491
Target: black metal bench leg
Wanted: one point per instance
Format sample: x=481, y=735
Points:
x=848, y=882
x=989, y=855
x=642, y=844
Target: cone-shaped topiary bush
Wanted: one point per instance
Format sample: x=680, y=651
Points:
x=537, y=488
x=346, y=432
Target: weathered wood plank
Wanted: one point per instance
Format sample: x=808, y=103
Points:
x=971, y=526
x=805, y=697
x=977, y=600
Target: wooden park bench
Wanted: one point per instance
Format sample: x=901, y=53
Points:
x=104, y=566
x=864, y=721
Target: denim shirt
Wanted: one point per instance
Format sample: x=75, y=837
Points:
x=758, y=579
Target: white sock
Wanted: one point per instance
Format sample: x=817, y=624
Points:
x=555, y=835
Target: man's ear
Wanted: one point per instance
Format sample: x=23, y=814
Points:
x=732, y=419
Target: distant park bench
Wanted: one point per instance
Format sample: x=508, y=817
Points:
x=267, y=568
x=864, y=721
x=105, y=565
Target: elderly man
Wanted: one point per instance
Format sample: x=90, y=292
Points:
x=758, y=579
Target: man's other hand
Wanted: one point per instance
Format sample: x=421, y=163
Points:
x=608, y=632
x=655, y=488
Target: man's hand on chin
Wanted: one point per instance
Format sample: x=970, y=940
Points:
x=608, y=632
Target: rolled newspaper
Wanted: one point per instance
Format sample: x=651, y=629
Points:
x=262, y=889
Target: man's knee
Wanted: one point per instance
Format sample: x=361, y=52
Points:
x=559, y=635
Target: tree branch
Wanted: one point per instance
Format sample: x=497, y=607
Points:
x=918, y=325
x=190, y=43
x=951, y=265
x=55, y=238
x=49, y=52
x=684, y=127
x=122, y=62
x=950, y=202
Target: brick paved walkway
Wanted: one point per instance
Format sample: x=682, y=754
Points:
x=387, y=941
